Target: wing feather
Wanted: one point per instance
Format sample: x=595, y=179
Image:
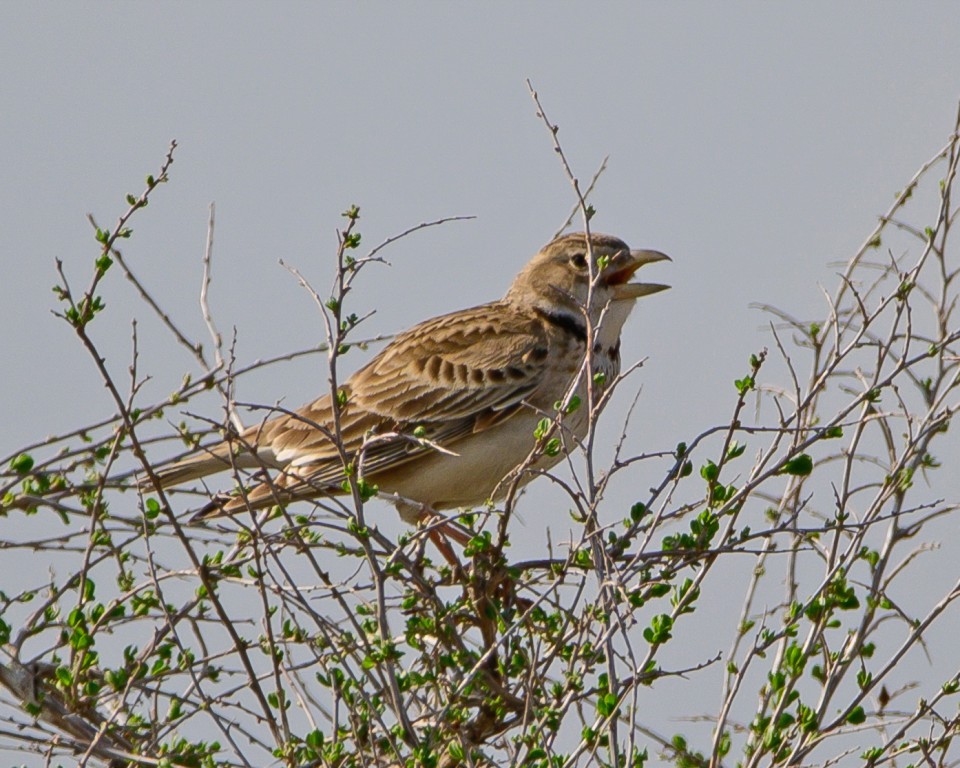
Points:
x=449, y=376
x=445, y=378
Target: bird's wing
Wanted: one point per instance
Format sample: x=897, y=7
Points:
x=445, y=378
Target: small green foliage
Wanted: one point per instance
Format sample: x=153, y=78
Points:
x=278, y=700
x=872, y=556
x=365, y=490
x=807, y=717
x=552, y=448
x=749, y=382
x=637, y=511
x=352, y=213
x=709, y=472
x=744, y=385
x=903, y=479
x=831, y=433
x=800, y=466
x=600, y=378
x=872, y=395
x=735, y=450
x=22, y=464
x=482, y=542
x=103, y=264
x=151, y=509
x=659, y=630
x=857, y=716
x=686, y=595
x=723, y=747
x=814, y=331
x=794, y=661
x=704, y=527
x=542, y=429
x=607, y=704
x=175, y=710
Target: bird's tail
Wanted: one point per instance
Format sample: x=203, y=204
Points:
x=207, y=461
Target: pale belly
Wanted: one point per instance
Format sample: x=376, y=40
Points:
x=481, y=470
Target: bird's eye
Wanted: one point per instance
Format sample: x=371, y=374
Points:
x=579, y=260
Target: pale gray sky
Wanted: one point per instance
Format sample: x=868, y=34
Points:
x=754, y=142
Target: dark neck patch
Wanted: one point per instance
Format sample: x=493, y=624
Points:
x=565, y=323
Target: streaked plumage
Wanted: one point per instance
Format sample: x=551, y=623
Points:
x=475, y=382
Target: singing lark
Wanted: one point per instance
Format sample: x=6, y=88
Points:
x=449, y=409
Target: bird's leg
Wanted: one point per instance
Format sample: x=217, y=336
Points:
x=441, y=532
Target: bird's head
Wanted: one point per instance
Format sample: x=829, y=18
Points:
x=558, y=278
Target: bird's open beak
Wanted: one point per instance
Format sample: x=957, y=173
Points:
x=622, y=272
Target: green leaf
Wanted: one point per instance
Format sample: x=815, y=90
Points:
x=800, y=466
x=64, y=676
x=366, y=490
x=22, y=464
x=543, y=427
x=607, y=704
x=857, y=716
x=151, y=508
x=659, y=630
x=744, y=385
x=736, y=449
x=709, y=472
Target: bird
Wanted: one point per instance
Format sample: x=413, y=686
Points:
x=451, y=407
